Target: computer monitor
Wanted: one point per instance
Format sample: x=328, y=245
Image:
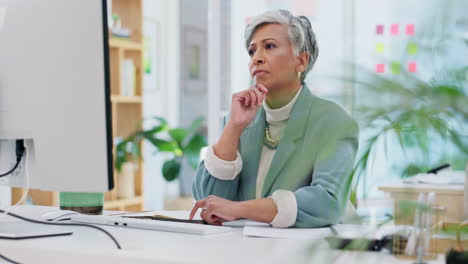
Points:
x=55, y=94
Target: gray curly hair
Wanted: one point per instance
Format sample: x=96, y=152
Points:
x=301, y=36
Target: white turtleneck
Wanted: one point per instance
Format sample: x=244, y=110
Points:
x=284, y=200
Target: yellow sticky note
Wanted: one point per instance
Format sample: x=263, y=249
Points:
x=379, y=47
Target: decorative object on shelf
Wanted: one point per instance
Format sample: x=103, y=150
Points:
x=126, y=181
x=117, y=30
x=128, y=78
x=182, y=143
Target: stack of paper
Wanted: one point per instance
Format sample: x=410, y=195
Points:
x=442, y=177
x=303, y=233
x=342, y=230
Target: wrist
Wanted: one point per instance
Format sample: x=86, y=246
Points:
x=241, y=210
x=236, y=129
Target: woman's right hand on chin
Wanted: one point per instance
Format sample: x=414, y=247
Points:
x=245, y=105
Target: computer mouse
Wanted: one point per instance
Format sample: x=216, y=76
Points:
x=57, y=214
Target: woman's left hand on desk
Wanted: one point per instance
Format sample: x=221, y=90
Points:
x=216, y=210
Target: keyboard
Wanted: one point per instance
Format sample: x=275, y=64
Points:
x=150, y=224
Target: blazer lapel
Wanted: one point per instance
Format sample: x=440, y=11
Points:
x=295, y=130
x=252, y=149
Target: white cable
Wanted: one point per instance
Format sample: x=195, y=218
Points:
x=25, y=194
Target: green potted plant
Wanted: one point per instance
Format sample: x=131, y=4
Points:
x=183, y=143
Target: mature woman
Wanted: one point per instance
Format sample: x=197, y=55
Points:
x=284, y=156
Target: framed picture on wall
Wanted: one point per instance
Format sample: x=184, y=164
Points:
x=151, y=55
x=194, y=61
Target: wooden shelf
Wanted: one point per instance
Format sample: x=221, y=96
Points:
x=123, y=202
x=126, y=99
x=125, y=44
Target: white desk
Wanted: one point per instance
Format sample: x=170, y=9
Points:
x=143, y=246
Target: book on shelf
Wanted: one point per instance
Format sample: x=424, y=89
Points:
x=128, y=78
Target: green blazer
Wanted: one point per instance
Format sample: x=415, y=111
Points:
x=313, y=159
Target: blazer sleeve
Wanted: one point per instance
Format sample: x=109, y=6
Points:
x=205, y=184
x=323, y=202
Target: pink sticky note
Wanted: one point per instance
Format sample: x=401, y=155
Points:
x=380, y=68
x=247, y=20
x=410, y=29
x=379, y=29
x=412, y=67
x=394, y=29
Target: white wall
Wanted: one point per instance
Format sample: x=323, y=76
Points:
x=165, y=101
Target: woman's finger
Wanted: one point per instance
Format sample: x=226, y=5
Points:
x=203, y=214
x=219, y=219
x=253, y=97
x=262, y=87
x=247, y=99
x=207, y=216
x=212, y=220
x=263, y=97
x=239, y=97
x=198, y=204
x=259, y=95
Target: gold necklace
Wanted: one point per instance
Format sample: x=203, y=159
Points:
x=268, y=141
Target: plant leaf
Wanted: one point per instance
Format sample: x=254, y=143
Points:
x=163, y=145
x=136, y=150
x=120, y=154
x=154, y=130
x=171, y=169
x=161, y=120
x=459, y=141
x=178, y=134
x=192, y=150
x=192, y=130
